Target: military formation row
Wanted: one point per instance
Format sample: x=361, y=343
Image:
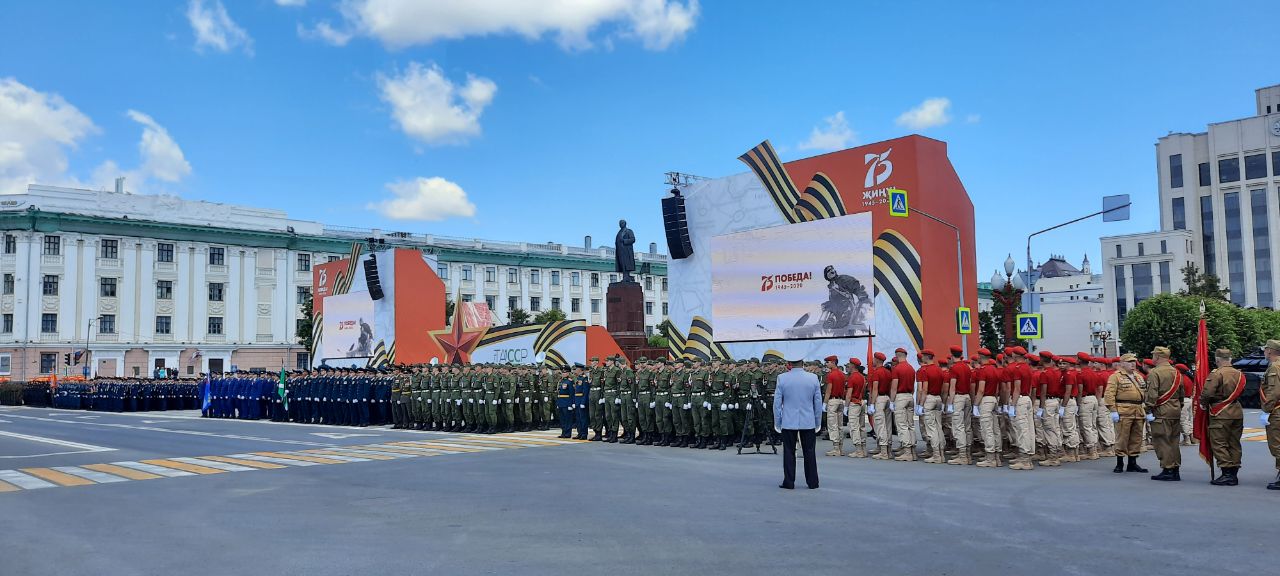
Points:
x=125, y=395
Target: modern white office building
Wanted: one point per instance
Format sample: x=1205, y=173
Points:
x=143, y=281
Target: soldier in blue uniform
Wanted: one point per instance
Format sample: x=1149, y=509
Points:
x=581, y=392
x=565, y=404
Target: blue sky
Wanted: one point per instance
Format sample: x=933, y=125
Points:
x=541, y=123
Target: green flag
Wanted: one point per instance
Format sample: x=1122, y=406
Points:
x=280, y=390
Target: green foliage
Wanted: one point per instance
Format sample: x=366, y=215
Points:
x=664, y=328
x=988, y=331
x=548, y=316
x=658, y=341
x=306, y=326
x=518, y=316
x=1171, y=320
x=998, y=318
x=1202, y=285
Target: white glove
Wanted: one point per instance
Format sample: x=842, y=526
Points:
x=601, y=401
x=724, y=407
x=951, y=409
x=1115, y=416
x=617, y=401
x=748, y=406
x=458, y=402
x=892, y=407
x=1265, y=419
x=526, y=399
x=825, y=409
x=846, y=410
x=688, y=405
x=871, y=408
x=495, y=402
x=1062, y=412
x=668, y=405
x=976, y=412
x=919, y=410
x=471, y=400
x=1151, y=418
x=706, y=405
x=1040, y=413
x=545, y=399
x=508, y=400
x=571, y=407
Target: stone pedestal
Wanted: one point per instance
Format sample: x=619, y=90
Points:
x=624, y=307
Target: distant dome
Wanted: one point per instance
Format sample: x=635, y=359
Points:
x=1056, y=267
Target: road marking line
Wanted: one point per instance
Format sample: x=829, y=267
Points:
x=57, y=442
x=215, y=464
x=411, y=450
x=384, y=455
x=417, y=449
x=24, y=481
x=345, y=453
x=180, y=431
x=99, y=477
x=153, y=469
x=331, y=456
x=242, y=462
x=316, y=459
x=284, y=461
x=500, y=441
x=122, y=471
x=7, y=487
x=59, y=478
x=448, y=445
x=194, y=468
x=392, y=449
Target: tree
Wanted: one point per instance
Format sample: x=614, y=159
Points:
x=658, y=341
x=1202, y=285
x=518, y=316
x=665, y=327
x=998, y=320
x=1171, y=320
x=988, y=331
x=548, y=316
x=306, y=326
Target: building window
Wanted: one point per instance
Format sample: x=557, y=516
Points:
x=1275, y=171
x=648, y=283
x=1142, y=283
x=164, y=325
x=664, y=309
x=1164, y=247
x=1261, y=247
x=1179, y=214
x=8, y=283
x=50, y=285
x=513, y=302
x=1255, y=166
x=1121, y=298
x=442, y=270
x=107, y=287
x=664, y=284
x=1118, y=252
x=10, y=244
x=513, y=275
x=302, y=361
x=1206, y=235
x=1228, y=170
x=7, y=326
x=613, y=278
x=575, y=305
x=491, y=302
x=215, y=325
x=304, y=294
x=467, y=297
x=298, y=326
x=217, y=256
x=490, y=274
x=304, y=262
x=1175, y=171
x=466, y=272
x=535, y=277
x=215, y=291
x=555, y=277
x=1164, y=278
x=648, y=308
x=535, y=304
x=49, y=323
x=332, y=258
x=52, y=245
x=595, y=279
x=48, y=362
x=1235, y=246
x=107, y=324
x=164, y=289
x=555, y=303
x=109, y=249
x=1205, y=180
x=595, y=305
x=164, y=252
x=1141, y=252
x=575, y=279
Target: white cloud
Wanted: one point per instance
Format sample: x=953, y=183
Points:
x=973, y=119
x=291, y=3
x=431, y=108
x=161, y=157
x=36, y=131
x=932, y=112
x=430, y=199
x=326, y=33
x=214, y=28
x=400, y=23
x=835, y=134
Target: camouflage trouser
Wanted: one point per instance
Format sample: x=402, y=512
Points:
x=488, y=415
x=526, y=407
x=699, y=415
x=595, y=409
x=644, y=412
x=662, y=414
x=508, y=410
x=470, y=412
x=682, y=417
x=629, y=414
x=612, y=412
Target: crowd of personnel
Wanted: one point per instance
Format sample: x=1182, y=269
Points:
x=126, y=395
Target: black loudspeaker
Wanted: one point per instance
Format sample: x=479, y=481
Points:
x=371, y=278
x=678, y=245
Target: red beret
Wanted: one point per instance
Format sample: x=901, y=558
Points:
x=991, y=362
x=1181, y=367
x=973, y=358
x=1032, y=358
x=1084, y=356
x=900, y=351
x=855, y=361
x=1009, y=349
x=957, y=350
x=1069, y=360
x=984, y=352
x=999, y=356
x=927, y=352
x=832, y=358
x=1046, y=354
x=942, y=362
x=880, y=356
x=1019, y=350
x=1149, y=362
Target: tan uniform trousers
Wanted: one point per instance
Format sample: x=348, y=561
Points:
x=1224, y=440
x=857, y=424
x=989, y=423
x=1188, y=419
x=1273, y=437
x=881, y=420
x=835, y=412
x=1051, y=425
x=933, y=423
x=904, y=417
x=1089, y=407
x=1024, y=433
x=1129, y=436
x=961, y=421
x=1070, y=430
x=1106, y=428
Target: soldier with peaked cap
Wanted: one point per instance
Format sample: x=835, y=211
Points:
x=1220, y=398
x=1164, y=413
x=1125, y=395
x=1269, y=393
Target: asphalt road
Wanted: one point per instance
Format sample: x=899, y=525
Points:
x=400, y=502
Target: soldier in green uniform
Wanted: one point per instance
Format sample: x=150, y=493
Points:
x=701, y=404
x=645, y=402
x=1269, y=394
x=458, y=399
x=612, y=402
x=770, y=386
x=489, y=398
x=662, y=425
x=1164, y=404
x=629, y=394
x=507, y=399
x=596, y=397
x=397, y=403
x=682, y=400
x=549, y=382
x=413, y=381
x=525, y=397
x=718, y=422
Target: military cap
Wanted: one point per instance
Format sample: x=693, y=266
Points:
x=999, y=356
x=595, y=358
x=1160, y=351
x=927, y=352
x=1020, y=351
x=832, y=358
x=754, y=360
x=1046, y=354
x=1068, y=360
x=577, y=365
x=855, y=361
x=1128, y=357
x=880, y=356
x=1032, y=358
x=1273, y=345
x=957, y=350
x=1009, y=350
x=900, y=350
x=1084, y=356
x=973, y=358
x=1149, y=362
x=984, y=352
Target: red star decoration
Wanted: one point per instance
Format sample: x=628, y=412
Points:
x=457, y=342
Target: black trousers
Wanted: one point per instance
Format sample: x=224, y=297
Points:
x=807, y=440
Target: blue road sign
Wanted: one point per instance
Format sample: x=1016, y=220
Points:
x=898, y=203
x=1030, y=326
x=964, y=321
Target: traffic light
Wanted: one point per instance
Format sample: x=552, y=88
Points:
x=79, y=355
x=66, y=358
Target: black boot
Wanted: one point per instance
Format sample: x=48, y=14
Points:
x=1165, y=475
x=1119, y=465
x=644, y=439
x=612, y=437
x=1275, y=485
x=1133, y=465
x=724, y=442
x=700, y=444
x=681, y=441
x=1228, y=478
x=596, y=435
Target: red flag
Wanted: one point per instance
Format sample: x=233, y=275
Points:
x=1201, y=431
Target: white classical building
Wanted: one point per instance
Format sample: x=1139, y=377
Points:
x=141, y=281
x=1071, y=301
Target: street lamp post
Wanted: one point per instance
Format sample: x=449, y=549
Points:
x=1007, y=290
x=1102, y=332
x=87, y=329
x=964, y=342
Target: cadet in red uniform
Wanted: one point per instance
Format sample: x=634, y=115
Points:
x=901, y=391
x=1022, y=396
x=855, y=389
x=959, y=405
x=929, y=406
x=987, y=391
x=834, y=402
x=879, y=406
x=1188, y=408
x=1051, y=391
x=1071, y=410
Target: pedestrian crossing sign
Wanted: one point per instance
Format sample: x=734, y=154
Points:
x=898, y=203
x=1030, y=326
x=964, y=321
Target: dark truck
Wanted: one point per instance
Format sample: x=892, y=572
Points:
x=1253, y=366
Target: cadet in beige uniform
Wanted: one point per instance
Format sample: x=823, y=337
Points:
x=1226, y=419
x=1164, y=413
x=1126, y=391
x=1270, y=394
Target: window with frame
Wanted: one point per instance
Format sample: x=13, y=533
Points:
x=216, y=290
x=555, y=303
x=50, y=285
x=298, y=325
x=664, y=309
x=107, y=287
x=109, y=249
x=8, y=283
x=304, y=262
x=595, y=279
x=613, y=278
x=1141, y=252
x=664, y=284
x=107, y=324
x=164, y=289
x=1175, y=171
x=7, y=325
x=555, y=277
x=1205, y=179
x=1275, y=165
x=648, y=283
x=164, y=252
x=1228, y=170
x=535, y=277
x=535, y=304
x=303, y=361
x=332, y=258
x=304, y=294
x=1255, y=166
x=1164, y=246
x=491, y=274
x=513, y=275
x=648, y=308
x=513, y=302
x=164, y=325
x=10, y=244
x=575, y=305
x=1119, y=253
x=595, y=305
x=49, y=323
x=48, y=362
x=217, y=256
x=52, y=245
x=466, y=273
x=575, y=279
x=215, y=325
x=442, y=270
x=491, y=302
x=467, y=297
x=1179, y=210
